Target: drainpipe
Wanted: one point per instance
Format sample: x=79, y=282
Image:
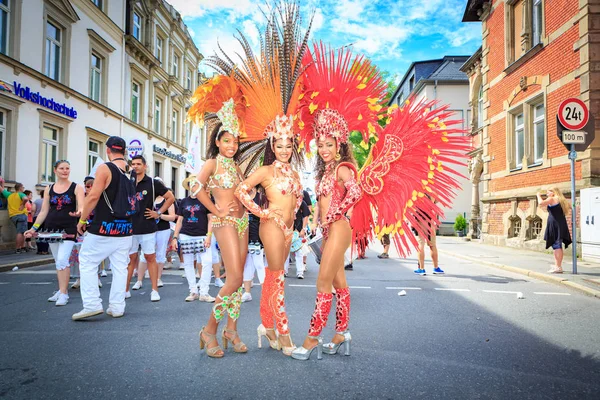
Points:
x=123, y=55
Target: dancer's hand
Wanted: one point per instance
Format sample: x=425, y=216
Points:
x=231, y=208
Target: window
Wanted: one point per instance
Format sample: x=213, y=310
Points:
x=536, y=30
x=188, y=133
x=173, y=179
x=157, y=169
x=158, y=51
x=174, y=124
x=53, y=50
x=515, y=226
x=411, y=83
x=137, y=26
x=2, y=141
x=469, y=119
x=4, y=25
x=519, y=140
x=480, y=108
x=96, y=65
x=49, y=153
x=539, y=132
x=535, y=228
x=97, y=3
x=157, y=111
x=189, y=80
x=135, y=102
x=176, y=66
x=93, y=154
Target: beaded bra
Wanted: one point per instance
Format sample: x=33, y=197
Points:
x=229, y=176
x=284, y=179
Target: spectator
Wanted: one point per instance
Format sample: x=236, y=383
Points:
x=42, y=247
x=17, y=214
x=30, y=206
x=426, y=223
x=557, y=229
x=385, y=241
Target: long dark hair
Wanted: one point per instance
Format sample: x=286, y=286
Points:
x=295, y=158
x=213, y=150
x=346, y=156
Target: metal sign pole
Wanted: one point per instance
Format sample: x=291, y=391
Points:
x=572, y=157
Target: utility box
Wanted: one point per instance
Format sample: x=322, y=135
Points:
x=590, y=224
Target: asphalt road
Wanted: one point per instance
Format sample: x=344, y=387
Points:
x=461, y=335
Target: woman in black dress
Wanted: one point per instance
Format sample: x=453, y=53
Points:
x=557, y=230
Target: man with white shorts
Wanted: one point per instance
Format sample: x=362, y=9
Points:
x=107, y=236
x=144, y=223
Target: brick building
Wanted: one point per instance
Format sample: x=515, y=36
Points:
x=534, y=54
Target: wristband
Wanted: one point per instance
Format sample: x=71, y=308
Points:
x=36, y=227
x=82, y=221
x=209, y=234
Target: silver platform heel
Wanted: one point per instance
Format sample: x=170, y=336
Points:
x=303, y=354
x=333, y=348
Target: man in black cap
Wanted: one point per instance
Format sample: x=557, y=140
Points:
x=107, y=236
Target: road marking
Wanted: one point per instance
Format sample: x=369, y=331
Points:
x=172, y=283
x=403, y=288
x=553, y=293
x=350, y=287
x=302, y=285
x=36, y=283
x=20, y=272
x=452, y=290
x=4, y=283
x=499, y=291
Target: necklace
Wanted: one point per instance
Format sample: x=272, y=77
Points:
x=229, y=174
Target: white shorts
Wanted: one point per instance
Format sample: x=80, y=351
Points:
x=147, y=241
x=62, y=252
x=162, y=242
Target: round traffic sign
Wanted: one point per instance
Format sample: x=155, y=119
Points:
x=573, y=114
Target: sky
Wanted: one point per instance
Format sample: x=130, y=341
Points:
x=391, y=33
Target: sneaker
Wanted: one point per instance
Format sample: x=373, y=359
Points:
x=383, y=255
x=207, y=298
x=181, y=267
x=419, y=271
x=76, y=284
x=146, y=275
x=112, y=313
x=128, y=294
x=168, y=265
x=246, y=297
x=154, y=296
x=137, y=286
x=300, y=275
x=219, y=282
x=438, y=271
x=103, y=274
x=54, y=296
x=192, y=297
x=99, y=283
x=160, y=283
x=86, y=314
x=349, y=267
x=63, y=299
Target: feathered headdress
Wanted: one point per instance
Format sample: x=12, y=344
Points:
x=268, y=81
x=222, y=98
x=341, y=93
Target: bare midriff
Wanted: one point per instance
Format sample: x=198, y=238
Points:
x=285, y=203
x=223, y=197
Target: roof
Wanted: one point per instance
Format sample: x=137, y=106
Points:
x=474, y=58
x=472, y=10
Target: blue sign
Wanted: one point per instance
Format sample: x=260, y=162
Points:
x=35, y=97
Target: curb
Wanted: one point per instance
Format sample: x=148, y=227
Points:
x=555, y=279
x=26, y=264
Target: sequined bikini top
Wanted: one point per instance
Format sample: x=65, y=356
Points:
x=284, y=179
x=226, y=175
x=327, y=182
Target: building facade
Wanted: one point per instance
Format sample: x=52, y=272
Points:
x=442, y=80
x=75, y=72
x=534, y=54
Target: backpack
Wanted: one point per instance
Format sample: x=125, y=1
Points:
x=126, y=203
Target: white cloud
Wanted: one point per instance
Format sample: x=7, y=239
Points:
x=198, y=8
x=352, y=10
x=375, y=39
x=251, y=32
x=318, y=20
x=191, y=32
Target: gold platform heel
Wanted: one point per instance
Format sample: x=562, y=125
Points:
x=212, y=352
x=262, y=331
x=240, y=347
x=287, y=350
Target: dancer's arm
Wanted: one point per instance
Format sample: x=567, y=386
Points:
x=207, y=170
x=353, y=194
x=242, y=192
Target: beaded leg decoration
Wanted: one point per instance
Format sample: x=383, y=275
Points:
x=342, y=309
x=233, y=308
x=278, y=303
x=266, y=308
x=220, y=307
x=234, y=305
x=321, y=313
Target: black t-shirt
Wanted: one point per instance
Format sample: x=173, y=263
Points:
x=162, y=225
x=61, y=204
x=302, y=212
x=104, y=223
x=145, y=195
x=306, y=198
x=195, y=217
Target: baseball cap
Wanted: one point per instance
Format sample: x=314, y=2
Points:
x=116, y=143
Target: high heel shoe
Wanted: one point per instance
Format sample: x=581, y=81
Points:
x=262, y=331
x=240, y=347
x=287, y=350
x=212, y=352
x=304, y=354
x=333, y=348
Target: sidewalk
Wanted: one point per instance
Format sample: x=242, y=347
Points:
x=525, y=262
x=9, y=260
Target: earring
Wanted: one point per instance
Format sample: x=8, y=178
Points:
x=338, y=157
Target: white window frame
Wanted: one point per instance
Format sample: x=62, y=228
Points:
x=91, y=153
x=6, y=32
x=137, y=26
x=188, y=133
x=135, y=95
x=158, y=47
x=189, y=79
x=174, y=173
x=480, y=107
x=176, y=66
x=536, y=22
x=519, y=128
x=157, y=114
x=50, y=56
x=95, y=71
x=46, y=144
x=157, y=171
x=538, y=121
x=174, y=126
x=98, y=3
x=3, y=141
